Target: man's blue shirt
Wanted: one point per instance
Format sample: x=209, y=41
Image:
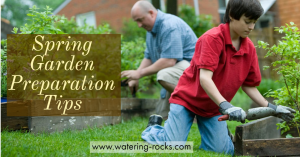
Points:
x=170, y=37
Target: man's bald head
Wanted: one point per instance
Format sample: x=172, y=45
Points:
x=143, y=6
x=144, y=13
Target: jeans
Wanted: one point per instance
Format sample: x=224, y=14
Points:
x=214, y=134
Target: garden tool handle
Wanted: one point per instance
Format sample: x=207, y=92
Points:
x=125, y=84
x=224, y=117
x=133, y=92
x=254, y=113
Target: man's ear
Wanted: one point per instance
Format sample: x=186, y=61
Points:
x=151, y=12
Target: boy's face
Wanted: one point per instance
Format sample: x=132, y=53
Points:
x=242, y=27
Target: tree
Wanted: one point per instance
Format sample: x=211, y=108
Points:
x=172, y=7
x=16, y=12
x=156, y=4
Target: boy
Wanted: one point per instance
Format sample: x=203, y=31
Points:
x=224, y=60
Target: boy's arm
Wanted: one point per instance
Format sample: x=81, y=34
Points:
x=209, y=86
x=282, y=112
x=235, y=113
x=255, y=95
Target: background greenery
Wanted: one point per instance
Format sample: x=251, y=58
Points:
x=15, y=10
x=3, y=69
x=287, y=65
x=199, y=24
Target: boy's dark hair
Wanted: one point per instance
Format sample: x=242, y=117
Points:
x=236, y=8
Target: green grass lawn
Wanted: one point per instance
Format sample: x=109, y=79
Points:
x=76, y=143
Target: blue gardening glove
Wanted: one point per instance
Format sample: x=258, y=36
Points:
x=283, y=112
x=235, y=113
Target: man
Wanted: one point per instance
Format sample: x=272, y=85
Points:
x=170, y=47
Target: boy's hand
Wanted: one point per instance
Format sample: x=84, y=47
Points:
x=283, y=112
x=235, y=113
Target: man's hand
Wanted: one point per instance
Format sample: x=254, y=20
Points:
x=235, y=113
x=131, y=74
x=283, y=112
x=133, y=85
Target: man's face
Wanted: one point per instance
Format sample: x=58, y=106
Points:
x=243, y=27
x=145, y=20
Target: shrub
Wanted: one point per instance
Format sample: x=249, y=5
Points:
x=71, y=27
x=268, y=84
x=132, y=54
x=3, y=69
x=133, y=47
x=199, y=24
x=288, y=66
x=131, y=31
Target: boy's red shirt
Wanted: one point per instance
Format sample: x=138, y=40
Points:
x=231, y=69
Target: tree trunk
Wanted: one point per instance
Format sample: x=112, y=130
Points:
x=172, y=7
x=156, y=4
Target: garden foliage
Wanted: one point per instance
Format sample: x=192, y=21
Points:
x=71, y=27
x=131, y=31
x=199, y=24
x=3, y=68
x=132, y=54
x=288, y=66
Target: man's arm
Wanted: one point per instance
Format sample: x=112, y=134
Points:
x=146, y=68
x=255, y=95
x=145, y=63
x=161, y=63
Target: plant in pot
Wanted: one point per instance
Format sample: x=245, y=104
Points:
x=287, y=65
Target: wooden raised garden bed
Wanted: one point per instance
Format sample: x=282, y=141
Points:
x=12, y=123
x=261, y=138
x=130, y=107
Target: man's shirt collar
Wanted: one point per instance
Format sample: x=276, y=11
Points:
x=158, y=20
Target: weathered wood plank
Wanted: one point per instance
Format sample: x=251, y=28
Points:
x=238, y=145
x=264, y=128
x=17, y=108
x=12, y=123
x=261, y=138
x=272, y=147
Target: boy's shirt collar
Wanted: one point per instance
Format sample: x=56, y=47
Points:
x=244, y=46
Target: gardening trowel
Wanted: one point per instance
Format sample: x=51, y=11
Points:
x=124, y=83
x=254, y=113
